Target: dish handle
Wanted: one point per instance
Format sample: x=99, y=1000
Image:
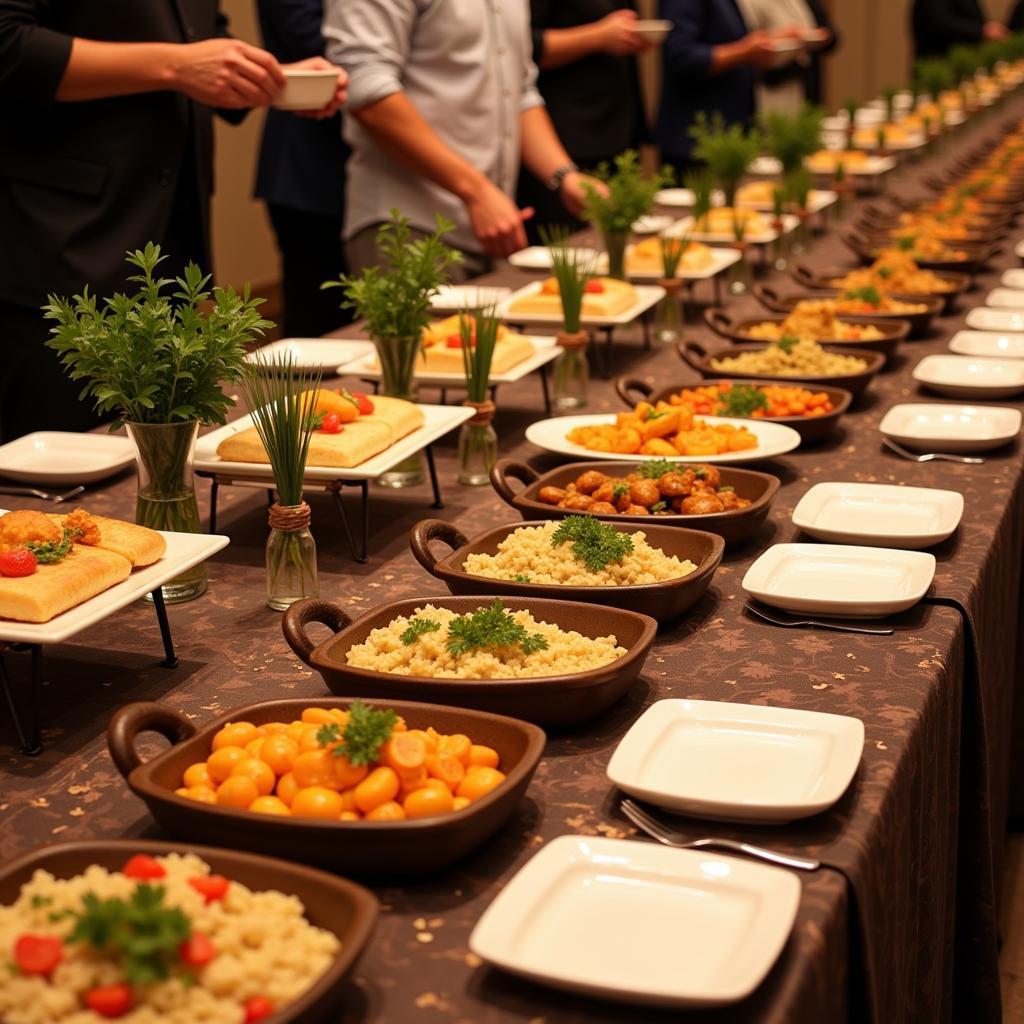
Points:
x=769, y=298
x=802, y=273
x=427, y=530
x=301, y=614
x=633, y=390
x=503, y=470
x=719, y=321
x=693, y=353
x=143, y=716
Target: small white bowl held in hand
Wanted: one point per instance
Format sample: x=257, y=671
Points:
x=652, y=30
x=307, y=89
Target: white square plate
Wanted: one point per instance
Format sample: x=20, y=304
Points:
x=988, y=344
x=982, y=318
x=772, y=439
x=845, y=581
x=184, y=550
x=1005, y=298
x=438, y=421
x=647, y=296
x=737, y=762
x=970, y=376
x=311, y=354
x=817, y=200
x=640, y=923
x=1013, y=278
x=59, y=457
x=451, y=298
x=538, y=257
x=651, y=224
x=721, y=259
x=937, y=427
x=880, y=515
x=544, y=351
x=684, y=227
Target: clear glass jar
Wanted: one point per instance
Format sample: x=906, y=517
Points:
x=572, y=373
x=668, y=314
x=615, y=245
x=780, y=246
x=800, y=236
x=478, y=451
x=398, y=364
x=291, y=564
x=166, y=498
x=741, y=276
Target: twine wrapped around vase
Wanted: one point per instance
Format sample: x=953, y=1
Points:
x=289, y=518
x=571, y=339
x=672, y=285
x=484, y=412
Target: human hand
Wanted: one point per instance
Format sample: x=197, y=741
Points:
x=573, y=192
x=496, y=221
x=337, y=101
x=617, y=34
x=994, y=30
x=759, y=48
x=226, y=73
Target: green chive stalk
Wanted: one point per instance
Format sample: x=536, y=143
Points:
x=572, y=269
x=478, y=442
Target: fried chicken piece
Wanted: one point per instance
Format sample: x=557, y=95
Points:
x=28, y=527
x=87, y=530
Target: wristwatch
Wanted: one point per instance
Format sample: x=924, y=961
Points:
x=554, y=183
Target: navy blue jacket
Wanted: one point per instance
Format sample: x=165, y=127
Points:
x=302, y=161
x=688, y=85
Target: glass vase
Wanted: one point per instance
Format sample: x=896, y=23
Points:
x=780, y=246
x=478, y=451
x=800, y=236
x=741, y=276
x=668, y=314
x=291, y=558
x=398, y=366
x=572, y=372
x=166, y=498
x=615, y=245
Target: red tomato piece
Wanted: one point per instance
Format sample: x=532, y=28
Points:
x=257, y=1008
x=197, y=951
x=364, y=403
x=594, y=287
x=210, y=887
x=331, y=423
x=110, y=1000
x=37, y=954
x=144, y=868
x=454, y=341
x=17, y=562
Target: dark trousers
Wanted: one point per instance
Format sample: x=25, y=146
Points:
x=311, y=253
x=35, y=391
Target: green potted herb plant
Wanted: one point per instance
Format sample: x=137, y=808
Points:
x=851, y=105
x=726, y=150
x=478, y=443
x=158, y=361
x=283, y=413
x=572, y=269
x=628, y=195
x=797, y=185
x=394, y=300
x=668, y=317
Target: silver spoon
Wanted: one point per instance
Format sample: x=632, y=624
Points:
x=656, y=829
x=965, y=460
x=788, y=621
x=45, y=495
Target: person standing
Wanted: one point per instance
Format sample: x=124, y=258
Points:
x=589, y=78
x=301, y=178
x=710, y=62
x=443, y=107
x=938, y=25
x=106, y=143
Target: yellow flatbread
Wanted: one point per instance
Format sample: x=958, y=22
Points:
x=646, y=256
x=616, y=297
x=52, y=589
x=139, y=544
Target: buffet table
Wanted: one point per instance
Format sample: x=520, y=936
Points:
x=900, y=922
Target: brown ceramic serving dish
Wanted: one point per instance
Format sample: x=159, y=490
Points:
x=875, y=228
x=548, y=700
x=888, y=216
x=919, y=322
x=976, y=255
x=733, y=527
x=694, y=354
x=737, y=331
x=661, y=601
x=810, y=428
x=958, y=283
x=338, y=906
x=360, y=847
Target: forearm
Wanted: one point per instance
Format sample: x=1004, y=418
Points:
x=401, y=131
x=542, y=151
x=565, y=45
x=97, y=70
x=727, y=56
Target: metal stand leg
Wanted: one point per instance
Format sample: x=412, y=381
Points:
x=170, y=658
x=687, y=302
x=544, y=388
x=606, y=353
x=30, y=742
x=444, y=396
x=718, y=289
x=362, y=553
x=438, y=503
x=645, y=323
x=214, y=488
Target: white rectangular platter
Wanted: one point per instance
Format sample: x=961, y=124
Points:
x=647, y=296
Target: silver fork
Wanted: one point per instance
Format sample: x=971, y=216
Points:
x=965, y=460
x=787, y=621
x=671, y=837
x=45, y=495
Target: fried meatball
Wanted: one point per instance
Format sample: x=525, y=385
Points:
x=606, y=492
x=644, y=492
x=602, y=508
x=636, y=510
x=26, y=526
x=676, y=484
x=701, y=505
x=729, y=500
x=578, y=501
x=551, y=495
x=589, y=482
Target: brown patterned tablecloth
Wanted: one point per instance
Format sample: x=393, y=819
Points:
x=900, y=924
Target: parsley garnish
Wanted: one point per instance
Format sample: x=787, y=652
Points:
x=906, y=244
x=869, y=294
x=314, y=420
x=620, y=490
x=416, y=629
x=786, y=342
x=51, y=551
x=39, y=900
x=654, y=414
x=884, y=273
x=143, y=933
x=726, y=488
x=659, y=506
x=701, y=473
x=522, y=578
x=657, y=468
x=493, y=627
x=594, y=543
x=362, y=738
x=743, y=400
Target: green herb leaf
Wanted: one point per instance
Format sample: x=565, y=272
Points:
x=50, y=552
x=620, y=490
x=700, y=473
x=659, y=506
x=791, y=137
x=594, y=543
x=39, y=900
x=522, y=578
x=786, y=342
x=727, y=151
x=657, y=468
x=416, y=628
x=628, y=195
x=869, y=294
x=366, y=732
x=492, y=626
x=572, y=268
x=743, y=400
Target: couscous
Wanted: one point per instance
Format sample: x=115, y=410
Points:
x=790, y=358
